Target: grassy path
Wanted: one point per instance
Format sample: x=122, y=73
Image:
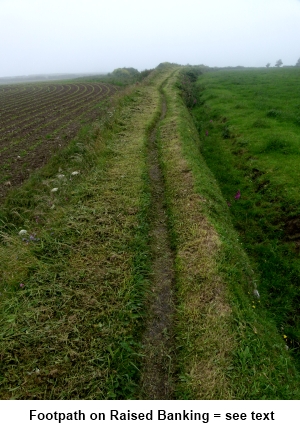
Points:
x=157, y=381
x=202, y=311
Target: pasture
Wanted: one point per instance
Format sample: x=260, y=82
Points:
x=249, y=123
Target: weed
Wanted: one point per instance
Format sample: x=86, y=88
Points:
x=274, y=113
x=260, y=123
x=278, y=144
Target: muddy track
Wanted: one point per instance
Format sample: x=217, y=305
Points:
x=157, y=381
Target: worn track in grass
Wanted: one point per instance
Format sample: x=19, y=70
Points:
x=157, y=377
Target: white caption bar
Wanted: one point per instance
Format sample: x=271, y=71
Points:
x=133, y=414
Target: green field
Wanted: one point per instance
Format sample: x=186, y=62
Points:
x=250, y=138
x=156, y=254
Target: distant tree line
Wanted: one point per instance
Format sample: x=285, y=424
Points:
x=280, y=63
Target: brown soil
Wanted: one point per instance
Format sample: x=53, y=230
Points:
x=292, y=230
x=158, y=366
x=35, y=123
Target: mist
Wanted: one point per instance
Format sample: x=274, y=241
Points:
x=92, y=36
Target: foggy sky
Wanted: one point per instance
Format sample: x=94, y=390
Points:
x=92, y=36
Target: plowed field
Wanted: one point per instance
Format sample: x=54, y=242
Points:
x=37, y=119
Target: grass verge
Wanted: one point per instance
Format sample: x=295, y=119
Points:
x=227, y=347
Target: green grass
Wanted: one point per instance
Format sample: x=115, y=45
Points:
x=234, y=338
x=247, y=122
x=72, y=287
